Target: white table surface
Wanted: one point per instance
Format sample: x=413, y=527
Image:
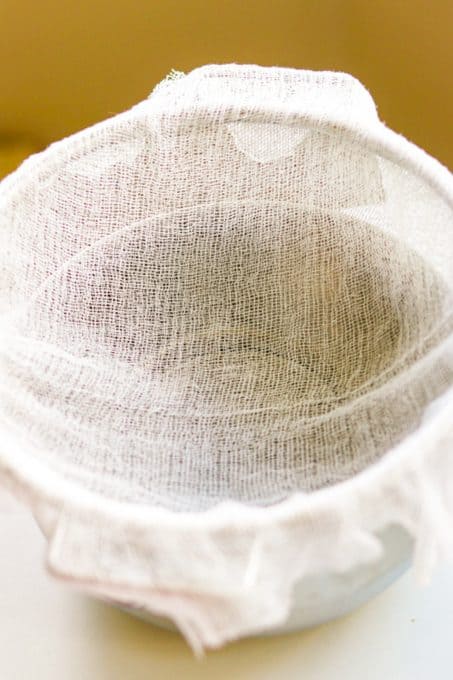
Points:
x=48, y=632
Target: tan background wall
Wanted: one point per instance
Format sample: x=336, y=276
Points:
x=66, y=64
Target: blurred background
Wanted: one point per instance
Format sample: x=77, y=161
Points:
x=65, y=64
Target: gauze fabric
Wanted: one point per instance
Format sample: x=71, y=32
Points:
x=226, y=344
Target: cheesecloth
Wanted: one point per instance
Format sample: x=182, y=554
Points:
x=226, y=345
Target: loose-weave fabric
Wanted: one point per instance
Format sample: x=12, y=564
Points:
x=226, y=344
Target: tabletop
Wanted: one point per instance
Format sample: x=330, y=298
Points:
x=49, y=631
